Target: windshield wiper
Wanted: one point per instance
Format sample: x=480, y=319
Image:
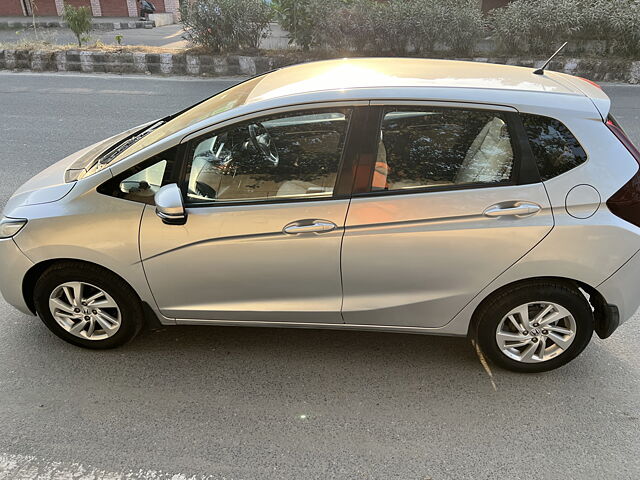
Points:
x=112, y=153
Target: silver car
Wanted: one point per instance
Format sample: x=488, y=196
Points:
x=399, y=195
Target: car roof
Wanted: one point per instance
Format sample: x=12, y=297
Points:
x=352, y=73
x=364, y=81
x=402, y=78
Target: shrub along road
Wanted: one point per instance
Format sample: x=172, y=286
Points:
x=264, y=403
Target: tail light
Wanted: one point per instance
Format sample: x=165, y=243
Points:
x=625, y=203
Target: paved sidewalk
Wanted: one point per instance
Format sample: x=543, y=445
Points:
x=99, y=23
x=169, y=36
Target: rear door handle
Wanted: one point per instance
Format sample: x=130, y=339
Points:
x=515, y=209
x=309, y=226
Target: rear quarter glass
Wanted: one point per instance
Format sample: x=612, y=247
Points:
x=555, y=149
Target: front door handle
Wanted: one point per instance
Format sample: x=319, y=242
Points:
x=514, y=209
x=309, y=226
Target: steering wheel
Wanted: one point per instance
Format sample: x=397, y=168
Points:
x=261, y=139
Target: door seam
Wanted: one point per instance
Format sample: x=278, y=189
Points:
x=553, y=225
x=344, y=232
x=144, y=271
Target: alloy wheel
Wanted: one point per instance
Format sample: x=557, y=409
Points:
x=536, y=332
x=85, y=310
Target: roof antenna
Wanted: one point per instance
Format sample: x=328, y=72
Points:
x=540, y=71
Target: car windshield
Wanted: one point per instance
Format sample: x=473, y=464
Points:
x=226, y=100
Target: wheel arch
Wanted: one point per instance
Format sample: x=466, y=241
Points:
x=36, y=271
x=599, y=306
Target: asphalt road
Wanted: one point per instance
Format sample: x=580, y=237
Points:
x=236, y=403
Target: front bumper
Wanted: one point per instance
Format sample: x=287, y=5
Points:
x=13, y=267
x=622, y=289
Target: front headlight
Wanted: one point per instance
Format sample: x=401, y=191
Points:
x=10, y=226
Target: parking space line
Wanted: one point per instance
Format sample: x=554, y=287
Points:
x=26, y=467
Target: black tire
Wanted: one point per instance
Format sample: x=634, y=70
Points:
x=491, y=312
x=132, y=314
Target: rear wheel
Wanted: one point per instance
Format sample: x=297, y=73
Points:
x=535, y=327
x=88, y=306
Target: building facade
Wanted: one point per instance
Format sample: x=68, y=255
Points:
x=99, y=8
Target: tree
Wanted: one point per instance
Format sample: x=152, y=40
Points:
x=78, y=19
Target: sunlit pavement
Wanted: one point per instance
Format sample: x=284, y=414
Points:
x=169, y=36
x=243, y=403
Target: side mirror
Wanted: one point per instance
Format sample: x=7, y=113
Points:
x=169, y=205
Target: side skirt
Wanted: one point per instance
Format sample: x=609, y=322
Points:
x=330, y=326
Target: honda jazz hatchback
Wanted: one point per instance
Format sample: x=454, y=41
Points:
x=399, y=195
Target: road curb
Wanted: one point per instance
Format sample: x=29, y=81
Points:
x=135, y=62
x=609, y=69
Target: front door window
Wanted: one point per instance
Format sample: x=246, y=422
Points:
x=294, y=155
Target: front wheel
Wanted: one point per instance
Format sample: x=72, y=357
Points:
x=88, y=306
x=535, y=327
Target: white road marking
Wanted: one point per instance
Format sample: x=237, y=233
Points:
x=77, y=91
x=26, y=467
x=485, y=365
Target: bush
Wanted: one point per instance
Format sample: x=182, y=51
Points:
x=79, y=21
x=537, y=26
x=615, y=22
x=297, y=17
x=460, y=24
x=340, y=26
x=312, y=22
x=226, y=25
x=394, y=27
x=401, y=27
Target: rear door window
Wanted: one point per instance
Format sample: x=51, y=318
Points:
x=442, y=147
x=554, y=147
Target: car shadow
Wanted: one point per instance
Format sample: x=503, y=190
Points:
x=346, y=360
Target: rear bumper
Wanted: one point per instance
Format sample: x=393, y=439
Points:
x=13, y=267
x=622, y=289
